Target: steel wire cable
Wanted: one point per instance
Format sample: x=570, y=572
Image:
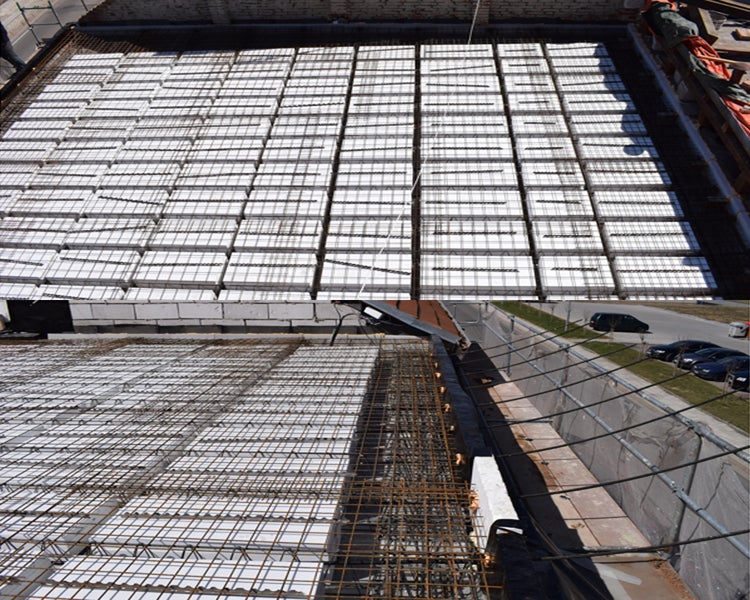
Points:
x=597, y=403
x=666, y=415
x=561, y=386
x=643, y=549
x=575, y=364
x=651, y=473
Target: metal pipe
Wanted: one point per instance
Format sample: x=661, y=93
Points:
x=736, y=205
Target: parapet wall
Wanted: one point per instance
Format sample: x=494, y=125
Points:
x=242, y=11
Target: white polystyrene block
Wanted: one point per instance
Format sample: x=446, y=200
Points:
x=375, y=150
x=524, y=65
x=624, y=175
x=180, y=295
x=286, y=175
x=382, y=85
x=24, y=150
x=137, y=175
x=649, y=237
x=81, y=292
x=96, y=267
x=372, y=202
x=216, y=174
x=495, y=513
x=544, y=148
x=490, y=203
x=600, y=83
x=659, y=275
x=191, y=202
x=466, y=149
x=466, y=275
x=615, y=103
x=639, y=204
x=395, y=104
x=437, y=102
x=28, y=266
x=480, y=236
x=559, y=203
x=616, y=148
x=315, y=105
x=370, y=235
x=438, y=52
x=528, y=83
x=552, y=174
x=300, y=202
x=351, y=271
x=534, y=102
x=587, y=49
x=109, y=233
x=364, y=175
x=580, y=276
x=197, y=270
x=519, y=50
x=16, y=291
x=270, y=270
x=125, y=202
x=70, y=175
x=30, y=232
x=278, y=234
x=569, y=237
x=545, y=124
x=193, y=234
x=595, y=125
x=293, y=150
x=49, y=203
x=468, y=174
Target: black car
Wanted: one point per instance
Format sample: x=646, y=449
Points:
x=686, y=361
x=737, y=380
x=718, y=370
x=602, y=321
x=669, y=352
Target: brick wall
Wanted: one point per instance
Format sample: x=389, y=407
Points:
x=353, y=10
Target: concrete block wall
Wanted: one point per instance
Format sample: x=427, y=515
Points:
x=242, y=11
x=236, y=11
x=187, y=316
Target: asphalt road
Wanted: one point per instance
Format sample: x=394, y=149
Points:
x=664, y=325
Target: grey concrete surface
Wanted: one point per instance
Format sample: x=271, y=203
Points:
x=45, y=22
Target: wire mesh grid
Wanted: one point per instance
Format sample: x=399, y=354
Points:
x=293, y=128
x=188, y=466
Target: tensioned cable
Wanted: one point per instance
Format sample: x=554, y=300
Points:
x=474, y=22
x=540, y=356
x=651, y=473
x=611, y=551
x=560, y=386
x=509, y=422
x=541, y=341
x=575, y=364
x=621, y=430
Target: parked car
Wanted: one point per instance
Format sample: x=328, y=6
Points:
x=718, y=370
x=602, y=321
x=738, y=379
x=686, y=361
x=669, y=352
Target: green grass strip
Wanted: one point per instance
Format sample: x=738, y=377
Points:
x=733, y=409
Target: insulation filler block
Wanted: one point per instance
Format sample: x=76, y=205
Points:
x=495, y=513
